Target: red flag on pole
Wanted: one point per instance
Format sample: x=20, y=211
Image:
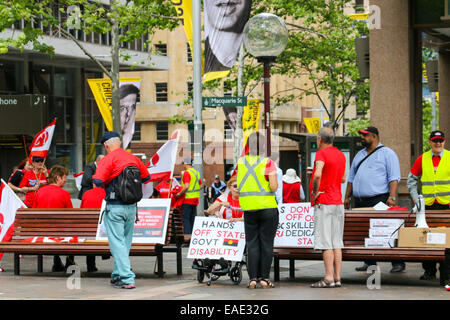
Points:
x=42, y=141
x=161, y=165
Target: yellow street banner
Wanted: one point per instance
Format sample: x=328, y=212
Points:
x=313, y=124
x=102, y=91
x=359, y=16
x=184, y=11
x=250, y=118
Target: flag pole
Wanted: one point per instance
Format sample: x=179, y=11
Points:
x=25, y=145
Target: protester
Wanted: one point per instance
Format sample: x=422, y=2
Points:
x=292, y=187
x=257, y=183
x=326, y=197
x=33, y=179
x=191, y=184
x=218, y=187
x=17, y=176
x=373, y=178
x=279, y=192
x=433, y=170
x=89, y=171
x=163, y=189
x=119, y=216
x=92, y=199
x=54, y=196
x=227, y=205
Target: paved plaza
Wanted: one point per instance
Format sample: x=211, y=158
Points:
x=95, y=286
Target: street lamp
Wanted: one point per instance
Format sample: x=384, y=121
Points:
x=265, y=37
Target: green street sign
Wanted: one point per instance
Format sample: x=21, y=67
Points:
x=212, y=102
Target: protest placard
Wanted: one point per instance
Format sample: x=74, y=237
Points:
x=152, y=225
x=295, y=226
x=215, y=238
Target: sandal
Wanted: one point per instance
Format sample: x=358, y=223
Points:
x=323, y=283
x=337, y=283
x=266, y=284
x=252, y=284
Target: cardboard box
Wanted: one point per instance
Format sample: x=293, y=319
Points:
x=424, y=238
x=380, y=243
x=380, y=233
x=386, y=223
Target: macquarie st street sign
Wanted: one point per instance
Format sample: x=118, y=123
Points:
x=212, y=102
x=22, y=114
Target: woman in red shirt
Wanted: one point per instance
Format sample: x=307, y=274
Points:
x=34, y=179
x=227, y=205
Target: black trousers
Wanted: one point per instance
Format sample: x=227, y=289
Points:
x=260, y=229
x=431, y=267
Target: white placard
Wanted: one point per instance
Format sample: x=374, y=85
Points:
x=215, y=238
x=436, y=238
x=153, y=217
x=296, y=225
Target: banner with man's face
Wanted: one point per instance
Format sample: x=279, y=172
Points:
x=224, y=24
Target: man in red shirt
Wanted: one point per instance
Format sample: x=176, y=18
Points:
x=326, y=197
x=54, y=196
x=119, y=216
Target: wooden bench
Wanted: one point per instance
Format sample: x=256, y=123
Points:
x=67, y=223
x=356, y=229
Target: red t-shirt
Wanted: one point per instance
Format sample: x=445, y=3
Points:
x=163, y=188
x=233, y=203
x=52, y=196
x=417, y=167
x=30, y=179
x=187, y=179
x=291, y=192
x=332, y=174
x=93, y=198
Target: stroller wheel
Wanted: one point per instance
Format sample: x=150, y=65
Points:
x=200, y=276
x=214, y=276
x=236, y=274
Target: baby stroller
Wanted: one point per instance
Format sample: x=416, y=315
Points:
x=213, y=269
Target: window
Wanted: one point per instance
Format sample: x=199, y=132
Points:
x=137, y=131
x=161, y=49
x=162, y=130
x=189, y=53
x=227, y=131
x=190, y=90
x=161, y=92
x=359, y=6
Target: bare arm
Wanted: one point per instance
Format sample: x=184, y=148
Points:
x=317, y=177
x=348, y=194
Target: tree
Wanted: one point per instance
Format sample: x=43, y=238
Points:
x=125, y=20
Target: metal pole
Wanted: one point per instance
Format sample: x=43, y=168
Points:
x=267, y=105
x=197, y=101
x=433, y=104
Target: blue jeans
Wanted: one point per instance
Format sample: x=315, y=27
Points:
x=188, y=213
x=119, y=223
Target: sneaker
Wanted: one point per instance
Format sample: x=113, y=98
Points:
x=122, y=285
x=427, y=276
x=362, y=268
x=397, y=269
x=113, y=281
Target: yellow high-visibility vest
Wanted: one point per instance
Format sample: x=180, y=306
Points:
x=193, y=190
x=254, y=189
x=436, y=185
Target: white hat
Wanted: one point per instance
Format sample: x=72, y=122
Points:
x=291, y=177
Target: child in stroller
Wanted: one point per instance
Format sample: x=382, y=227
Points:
x=226, y=207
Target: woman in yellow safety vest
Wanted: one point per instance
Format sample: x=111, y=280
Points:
x=257, y=183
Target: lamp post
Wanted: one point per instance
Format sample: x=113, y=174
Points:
x=265, y=37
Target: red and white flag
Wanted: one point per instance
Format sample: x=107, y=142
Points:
x=78, y=177
x=52, y=239
x=162, y=164
x=9, y=203
x=42, y=141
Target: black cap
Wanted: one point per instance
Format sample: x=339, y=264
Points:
x=369, y=130
x=437, y=135
x=108, y=135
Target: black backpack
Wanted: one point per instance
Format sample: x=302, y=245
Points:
x=128, y=186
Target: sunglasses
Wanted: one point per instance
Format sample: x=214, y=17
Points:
x=38, y=160
x=438, y=141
